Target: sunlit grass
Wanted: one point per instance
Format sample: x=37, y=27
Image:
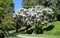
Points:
x=55, y=30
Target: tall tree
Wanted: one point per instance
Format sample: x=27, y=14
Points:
x=30, y=3
x=6, y=10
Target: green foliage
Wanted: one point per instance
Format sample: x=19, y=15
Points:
x=8, y=24
x=5, y=7
x=31, y=3
x=6, y=10
x=1, y=33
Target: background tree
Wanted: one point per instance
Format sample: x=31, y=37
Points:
x=55, y=4
x=30, y=3
x=6, y=10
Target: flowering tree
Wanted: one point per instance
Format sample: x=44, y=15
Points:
x=37, y=16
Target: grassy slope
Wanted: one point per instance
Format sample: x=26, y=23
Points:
x=55, y=30
x=54, y=33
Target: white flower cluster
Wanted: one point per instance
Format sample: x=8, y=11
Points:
x=34, y=16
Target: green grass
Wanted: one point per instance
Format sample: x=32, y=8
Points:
x=53, y=33
x=55, y=30
x=40, y=35
x=13, y=36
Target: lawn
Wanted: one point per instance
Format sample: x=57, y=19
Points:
x=34, y=36
x=55, y=30
x=52, y=30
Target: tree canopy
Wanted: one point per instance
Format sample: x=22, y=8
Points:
x=6, y=10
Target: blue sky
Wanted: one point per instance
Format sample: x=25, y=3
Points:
x=18, y=4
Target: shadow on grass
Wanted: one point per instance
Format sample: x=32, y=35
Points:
x=50, y=27
x=38, y=31
x=30, y=31
x=41, y=31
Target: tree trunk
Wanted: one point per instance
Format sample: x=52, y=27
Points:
x=6, y=32
x=16, y=23
x=17, y=28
